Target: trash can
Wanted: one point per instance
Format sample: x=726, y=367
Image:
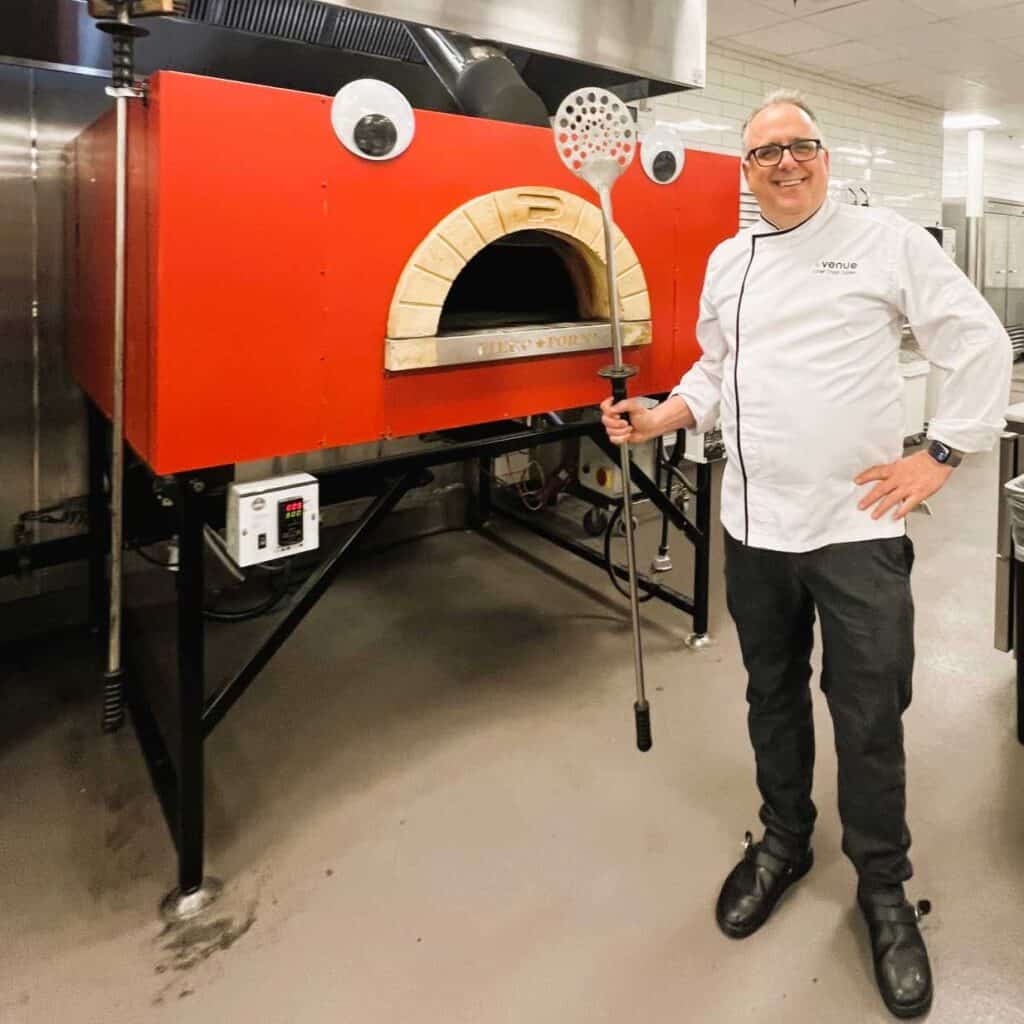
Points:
x=1013, y=491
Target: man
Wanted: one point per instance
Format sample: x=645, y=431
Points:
x=800, y=324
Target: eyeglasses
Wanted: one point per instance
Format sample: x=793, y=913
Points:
x=802, y=150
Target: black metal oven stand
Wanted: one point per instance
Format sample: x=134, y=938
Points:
x=174, y=716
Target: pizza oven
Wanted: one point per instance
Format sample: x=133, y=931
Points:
x=287, y=294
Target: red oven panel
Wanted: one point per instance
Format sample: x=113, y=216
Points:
x=264, y=257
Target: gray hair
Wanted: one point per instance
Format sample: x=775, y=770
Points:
x=779, y=97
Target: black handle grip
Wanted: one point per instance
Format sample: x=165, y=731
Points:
x=643, y=726
x=620, y=394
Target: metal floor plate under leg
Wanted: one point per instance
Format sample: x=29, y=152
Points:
x=183, y=906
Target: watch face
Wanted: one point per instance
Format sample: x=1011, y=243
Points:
x=940, y=452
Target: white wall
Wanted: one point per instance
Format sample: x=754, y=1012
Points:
x=1002, y=180
x=891, y=147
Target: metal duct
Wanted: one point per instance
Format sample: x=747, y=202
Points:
x=480, y=77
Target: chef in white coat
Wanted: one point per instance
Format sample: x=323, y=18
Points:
x=800, y=322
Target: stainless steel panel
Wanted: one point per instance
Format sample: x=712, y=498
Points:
x=639, y=49
x=1003, y=639
x=64, y=105
x=42, y=436
x=506, y=343
x=667, y=41
x=18, y=419
x=1015, y=271
x=954, y=213
x=996, y=233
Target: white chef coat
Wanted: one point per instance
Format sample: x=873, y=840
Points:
x=800, y=331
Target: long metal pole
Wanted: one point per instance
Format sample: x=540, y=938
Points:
x=641, y=706
x=113, y=703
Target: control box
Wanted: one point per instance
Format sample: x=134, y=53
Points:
x=274, y=518
x=599, y=473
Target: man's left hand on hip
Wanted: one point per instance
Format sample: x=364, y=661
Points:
x=904, y=483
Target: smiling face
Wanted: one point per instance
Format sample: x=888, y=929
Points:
x=789, y=192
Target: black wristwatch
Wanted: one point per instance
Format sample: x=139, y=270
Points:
x=944, y=455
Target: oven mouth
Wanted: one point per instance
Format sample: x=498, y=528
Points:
x=527, y=279
x=513, y=274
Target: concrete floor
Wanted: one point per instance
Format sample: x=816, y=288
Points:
x=430, y=809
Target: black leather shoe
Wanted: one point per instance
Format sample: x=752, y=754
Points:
x=902, y=970
x=755, y=885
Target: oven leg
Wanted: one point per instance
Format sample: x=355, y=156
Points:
x=701, y=561
x=194, y=892
x=479, y=503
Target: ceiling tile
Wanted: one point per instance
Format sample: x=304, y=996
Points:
x=951, y=8
x=937, y=90
x=802, y=7
x=969, y=56
x=789, y=37
x=885, y=71
x=960, y=55
x=1008, y=78
x=995, y=24
x=936, y=36
x=736, y=16
x=943, y=47
x=869, y=19
x=845, y=56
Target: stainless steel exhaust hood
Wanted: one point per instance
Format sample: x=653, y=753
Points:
x=662, y=41
x=635, y=47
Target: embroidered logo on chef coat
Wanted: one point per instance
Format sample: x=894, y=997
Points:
x=843, y=267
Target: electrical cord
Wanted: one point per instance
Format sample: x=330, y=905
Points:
x=72, y=512
x=283, y=582
x=138, y=549
x=520, y=484
x=679, y=475
x=529, y=495
x=613, y=520
x=243, y=614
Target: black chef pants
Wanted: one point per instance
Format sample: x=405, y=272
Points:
x=861, y=592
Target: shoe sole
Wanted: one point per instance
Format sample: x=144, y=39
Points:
x=732, y=932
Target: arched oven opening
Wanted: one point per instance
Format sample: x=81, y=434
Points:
x=525, y=279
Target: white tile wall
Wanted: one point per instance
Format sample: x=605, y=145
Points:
x=891, y=147
x=1002, y=180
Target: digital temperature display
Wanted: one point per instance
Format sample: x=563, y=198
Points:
x=289, y=522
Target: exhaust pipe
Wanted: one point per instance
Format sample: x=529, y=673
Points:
x=479, y=76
